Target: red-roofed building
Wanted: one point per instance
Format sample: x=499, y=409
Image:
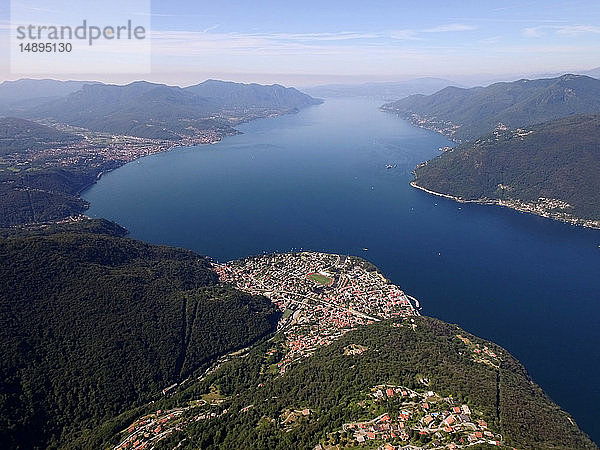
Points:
x=450, y=420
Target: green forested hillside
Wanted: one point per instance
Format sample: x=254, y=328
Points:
x=42, y=194
x=158, y=111
x=253, y=402
x=465, y=114
x=555, y=160
x=93, y=323
x=20, y=135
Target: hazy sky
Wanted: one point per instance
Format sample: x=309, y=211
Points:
x=312, y=42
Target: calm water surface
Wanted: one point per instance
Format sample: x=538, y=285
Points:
x=318, y=180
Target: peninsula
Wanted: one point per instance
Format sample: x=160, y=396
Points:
x=352, y=364
x=548, y=170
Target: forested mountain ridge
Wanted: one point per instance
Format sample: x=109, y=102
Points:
x=550, y=169
x=465, y=114
x=321, y=401
x=92, y=324
x=159, y=111
x=227, y=94
x=141, y=109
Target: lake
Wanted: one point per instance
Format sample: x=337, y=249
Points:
x=317, y=180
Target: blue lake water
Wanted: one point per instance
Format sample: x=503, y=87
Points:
x=317, y=180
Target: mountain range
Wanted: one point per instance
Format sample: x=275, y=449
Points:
x=550, y=169
x=62, y=135
x=465, y=114
x=26, y=93
x=96, y=328
x=151, y=110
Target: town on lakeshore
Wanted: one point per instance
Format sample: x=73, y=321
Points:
x=96, y=152
x=322, y=296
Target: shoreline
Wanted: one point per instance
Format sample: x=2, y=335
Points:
x=98, y=176
x=516, y=206
x=164, y=148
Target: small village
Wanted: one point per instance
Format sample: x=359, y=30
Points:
x=146, y=431
x=445, y=127
x=322, y=296
x=417, y=420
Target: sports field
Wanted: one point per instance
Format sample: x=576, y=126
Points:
x=321, y=279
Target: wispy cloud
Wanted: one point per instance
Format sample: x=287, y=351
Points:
x=564, y=30
x=209, y=29
x=491, y=40
x=281, y=46
x=533, y=32
x=450, y=28
x=307, y=37
x=578, y=29
x=407, y=35
x=44, y=10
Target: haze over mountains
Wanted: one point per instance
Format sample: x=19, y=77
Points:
x=154, y=110
x=26, y=93
x=385, y=91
